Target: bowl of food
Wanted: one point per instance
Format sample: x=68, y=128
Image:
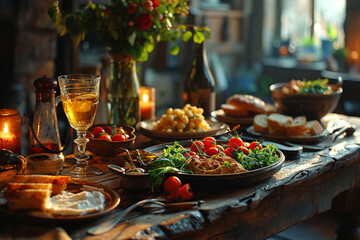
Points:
x=313, y=98
x=105, y=139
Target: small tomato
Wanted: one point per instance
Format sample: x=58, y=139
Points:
x=172, y=184
x=228, y=151
x=106, y=137
x=209, y=142
x=185, y=193
x=97, y=130
x=197, y=146
x=89, y=135
x=236, y=142
x=212, y=151
x=119, y=138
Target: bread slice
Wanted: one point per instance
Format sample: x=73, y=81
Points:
x=28, y=199
x=314, y=127
x=23, y=186
x=260, y=123
x=234, y=111
x=59, y=183
x=277, y=123
x=297, y=127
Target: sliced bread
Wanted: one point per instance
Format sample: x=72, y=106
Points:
x=314, y=127
x=260, y=123
x=277, y=123
x=28, y=199
x=59, y=183
x=234, y=111
x=297, y=127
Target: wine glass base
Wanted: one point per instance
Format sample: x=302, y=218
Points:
x=82, y=171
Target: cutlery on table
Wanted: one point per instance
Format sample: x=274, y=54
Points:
x=116, y=218
x=348, y=130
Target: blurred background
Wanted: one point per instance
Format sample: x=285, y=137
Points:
x=254, y=43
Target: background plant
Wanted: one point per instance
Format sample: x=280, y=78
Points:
x=131, y=26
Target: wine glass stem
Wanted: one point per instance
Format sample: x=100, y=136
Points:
x=81, y=141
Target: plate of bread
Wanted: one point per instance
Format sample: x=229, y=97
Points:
x=282, y=127
x=58, y=199
x=241, y=109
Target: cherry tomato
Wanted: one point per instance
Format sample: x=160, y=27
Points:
x=119, y=137
x=106, y=137
x=220, y=148
x=196, y=146
x=89, y=135
x=212, y=151
x=235, y=142
x=190, y=154
x=254, y=144
x=108, y=130
x=209, y=142
x=171, y=197
x=97, y=130
x=184, y=193
x=244, y=150
x=228, y=151
x=172, y=184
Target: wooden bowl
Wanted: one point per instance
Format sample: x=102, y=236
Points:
x=313, y=106
x=104, y=147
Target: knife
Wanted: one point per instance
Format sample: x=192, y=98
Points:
x=109, y=224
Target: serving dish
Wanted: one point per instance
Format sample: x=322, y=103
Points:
x=104, y=147
x=313, y=106
x=232, y=121
x=146, y=127
x=294, y=139
x=222, y=181
x=112, y=200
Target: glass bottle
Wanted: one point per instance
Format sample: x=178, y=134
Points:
x=45, y=123
x=199, y=83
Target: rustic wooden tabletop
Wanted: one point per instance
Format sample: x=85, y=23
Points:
x=304, y=187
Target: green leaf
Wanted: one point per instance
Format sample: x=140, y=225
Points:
x=53, y=13
x=148, y=46
x=143, y=57
x=199, y=37
x=174, y=50
x=177, y=34
x=132, y=38
x=186, y=36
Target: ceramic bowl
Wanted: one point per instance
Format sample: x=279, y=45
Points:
x=104, y=147
x=313, y=106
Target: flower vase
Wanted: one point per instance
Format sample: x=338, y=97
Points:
x=123, y=93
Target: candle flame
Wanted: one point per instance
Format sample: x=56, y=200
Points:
x=145, y=97
x=6, y=130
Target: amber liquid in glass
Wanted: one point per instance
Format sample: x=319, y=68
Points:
x=80, y=109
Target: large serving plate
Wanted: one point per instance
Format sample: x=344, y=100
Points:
x=222, y=181
x=146, y=127
x=294, y=139
x=112, y=200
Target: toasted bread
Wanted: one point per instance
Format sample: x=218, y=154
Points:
x=277, y=123
x=28, y=199
x=233, y=111
x=59, y=183
x=260, y=123
x=297, y=127
x=314, y=127
x=23, y=186
x=247, y=102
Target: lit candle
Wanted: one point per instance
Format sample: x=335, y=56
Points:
x=147, y=103
x=10, y=130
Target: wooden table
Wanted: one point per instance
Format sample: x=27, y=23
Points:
x=303, y=188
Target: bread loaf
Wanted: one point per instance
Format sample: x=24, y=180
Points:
x=297, y=127
x=243, y=105
x=28, y=199
x=277, y=123
x=233, y=111
x=260, y=123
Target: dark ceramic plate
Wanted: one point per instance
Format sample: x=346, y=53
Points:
x=294, y=139
x=112, y=200
x=222, y=181
x=146, y=127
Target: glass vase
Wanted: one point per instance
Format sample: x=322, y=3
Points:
x=123, y=93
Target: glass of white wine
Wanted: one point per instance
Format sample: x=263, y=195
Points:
x=80, y=99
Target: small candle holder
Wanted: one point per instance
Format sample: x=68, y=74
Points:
x=10, y=130
x=147, y=103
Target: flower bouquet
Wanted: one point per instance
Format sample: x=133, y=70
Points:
x=129, y=29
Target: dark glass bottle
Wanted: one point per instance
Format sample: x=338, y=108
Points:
x=199, y=84
x=45, y=122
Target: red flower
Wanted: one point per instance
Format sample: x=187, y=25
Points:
x=156, y=4
x=144, y=21
x=131, y=8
